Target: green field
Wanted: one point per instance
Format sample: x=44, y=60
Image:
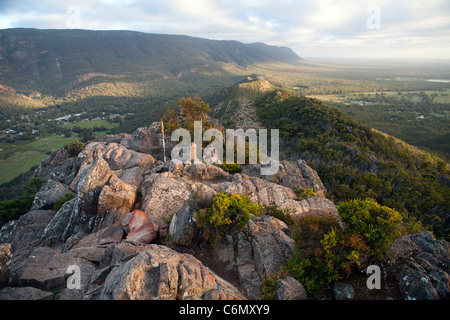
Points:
x=20, y=157
x=91, y=124
x=443, y=96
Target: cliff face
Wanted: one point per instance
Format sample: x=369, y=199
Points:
x=126, y=201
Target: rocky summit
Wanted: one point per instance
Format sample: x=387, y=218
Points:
x=129, y=231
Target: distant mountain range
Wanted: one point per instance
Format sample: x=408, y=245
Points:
x=55, y=61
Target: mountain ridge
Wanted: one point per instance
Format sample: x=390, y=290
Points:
x=51, y=59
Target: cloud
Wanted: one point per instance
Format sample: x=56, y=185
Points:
x=311, y=28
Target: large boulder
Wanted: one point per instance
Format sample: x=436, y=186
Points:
x=115, y=200
x=289, y=288
x=134, y=220
x=164, y=274
x=25, y=293
x=58, y=166
x=143, y=140
x=144, y=234
x=421, y=265
x=163, y=194
x=25, y=233
x=130, y=166
x=183, y=227
x=49, y=194
x=294, y=175
x=54, y=230
x=46, y=269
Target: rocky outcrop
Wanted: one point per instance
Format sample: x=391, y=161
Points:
x=126, y=201
x=49, y=194
x=422, y=266
x=163, y=194
x=294, y=175
x=259, y=250
x=144, y=140
x=271, y=194
x=58, y=166
x=25, y=233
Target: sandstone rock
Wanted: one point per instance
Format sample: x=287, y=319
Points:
x=422, y=266
x=59, y=167
x=89, y=183
x=120, y=253
x=49, y=194
x=289, y=289
x=26, y=232
x=143, y=235
x=162, y=195
x=25, y=293
x=271, y=246
x=134, y=220
x=260, y=249
x=204, y=171
x=294, y=175
x=115, y=201
x=46, y=269
x=127, y=164
x=55, y=228
x=161, y=273
x=183, y=227
x=102, y=238
x=143, y=140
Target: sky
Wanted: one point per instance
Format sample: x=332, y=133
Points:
x=418, y=29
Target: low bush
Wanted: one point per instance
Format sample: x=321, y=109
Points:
x=306, y=193
x=14, y=208
x=281, y=214
x=227, y=212
x=231, y=167
x=74, y=147
x=326, y=251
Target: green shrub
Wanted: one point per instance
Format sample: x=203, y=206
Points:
x=59, y=203
x=378, y=225
x=14, y=208
x=313, y=271
x=269, y=282
x=227, y=212
x=281, y=214
x=306, y=193
x=74, y=147
x=231, y=167
x=326, y=252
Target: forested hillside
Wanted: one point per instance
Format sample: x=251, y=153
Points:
x=355, y=161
